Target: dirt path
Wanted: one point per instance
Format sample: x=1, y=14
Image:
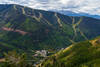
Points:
x=14, y=30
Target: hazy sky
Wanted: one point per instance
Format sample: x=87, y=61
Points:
x=86, y=6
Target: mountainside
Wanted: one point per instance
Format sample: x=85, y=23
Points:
x=82, y=54
x=26, y=29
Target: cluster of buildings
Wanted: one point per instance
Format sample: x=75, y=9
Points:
x=42, y=53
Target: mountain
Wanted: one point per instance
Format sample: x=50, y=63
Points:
x=25, y=29
x=82, y=54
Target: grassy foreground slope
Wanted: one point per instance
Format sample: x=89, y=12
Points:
x=82, y=54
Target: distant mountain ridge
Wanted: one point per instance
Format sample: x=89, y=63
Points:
x=46, y=30
x=70, y=13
